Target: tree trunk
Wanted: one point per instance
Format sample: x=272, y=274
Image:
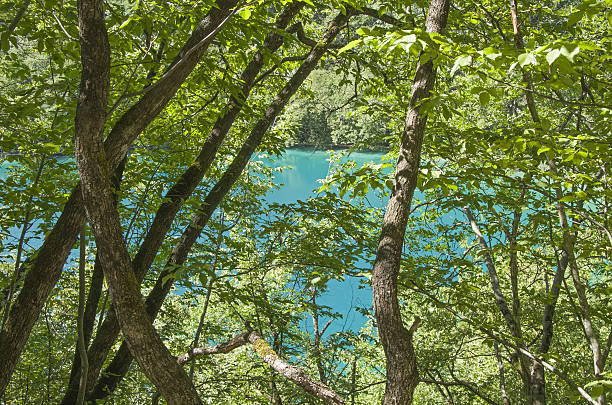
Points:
x=120, y=364
x=511, y=317
x=502, y=378
x=182, y=189
x=91, y=308
x=568, y=238
x=538, y=376
x=45, y=266
x=318, y=333
x=153, y=357
x=81, y=346
x=402, y=374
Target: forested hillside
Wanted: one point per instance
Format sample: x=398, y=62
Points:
x=142, y=261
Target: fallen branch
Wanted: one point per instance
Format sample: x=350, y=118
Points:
x=269, y=356
x=225, y=347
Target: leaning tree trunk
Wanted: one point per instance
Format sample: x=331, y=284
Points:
x=118, y=367
x=402, y=374
x=178, y=194
x=45, y=266
x=91, y=309
x=537, y=374
x=151, y=353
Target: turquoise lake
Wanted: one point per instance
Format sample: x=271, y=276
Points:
x=298, y=182
x=301, y=182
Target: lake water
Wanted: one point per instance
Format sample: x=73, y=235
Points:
x=301, y=182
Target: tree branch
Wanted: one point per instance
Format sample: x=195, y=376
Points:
x=45, y=266
x=18, y=16
x=120, y=363
x=269, y=356
x=508, y=343
x=386, y=18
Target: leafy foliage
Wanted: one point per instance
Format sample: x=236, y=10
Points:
x=272, y=264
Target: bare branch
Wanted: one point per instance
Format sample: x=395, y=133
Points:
x=221, y=348
x=70, y=37
x=293, y=373
x=508, y=343
x=269, y=356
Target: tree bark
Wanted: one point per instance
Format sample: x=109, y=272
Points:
x=537, y=388
x=568, y=240
x=81, y=347
x=269, y=356
x=120, y=363
x=153, y=357
x=180, y=191
x=293, y=373
x=493, y=277
x=91, y=308
x=502, y=378
x=46, y=265
x=402, y=374
x=538, y=376
x=318, y=334
x=510, y=317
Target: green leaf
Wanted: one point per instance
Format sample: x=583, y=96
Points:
x=125, y=23
x=520, y=145
x=461, y=61
x=407, y=41
x=484, y=98
x=245, y=13
x=51, y=148
x=512, y=67
x=570, y=54
x=350, y=45
x=315, y=280
x=552, y=56
x=527, y=59
x=491, y=53
x=575, y=17
x=597, y=390
x=607, y=383
x=581, y=195
x=568, y=198
x=543, y=149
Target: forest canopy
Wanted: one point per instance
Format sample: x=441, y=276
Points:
x=143, y=261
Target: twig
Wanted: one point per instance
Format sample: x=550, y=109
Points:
x=508, y=343
x=62, y=27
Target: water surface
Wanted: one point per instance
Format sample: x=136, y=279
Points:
x=301, y=182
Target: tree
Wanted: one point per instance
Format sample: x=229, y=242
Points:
x=502, y=118
x=402, y=374
x=93, y=167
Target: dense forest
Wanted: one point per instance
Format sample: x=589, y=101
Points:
x=143, y=263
